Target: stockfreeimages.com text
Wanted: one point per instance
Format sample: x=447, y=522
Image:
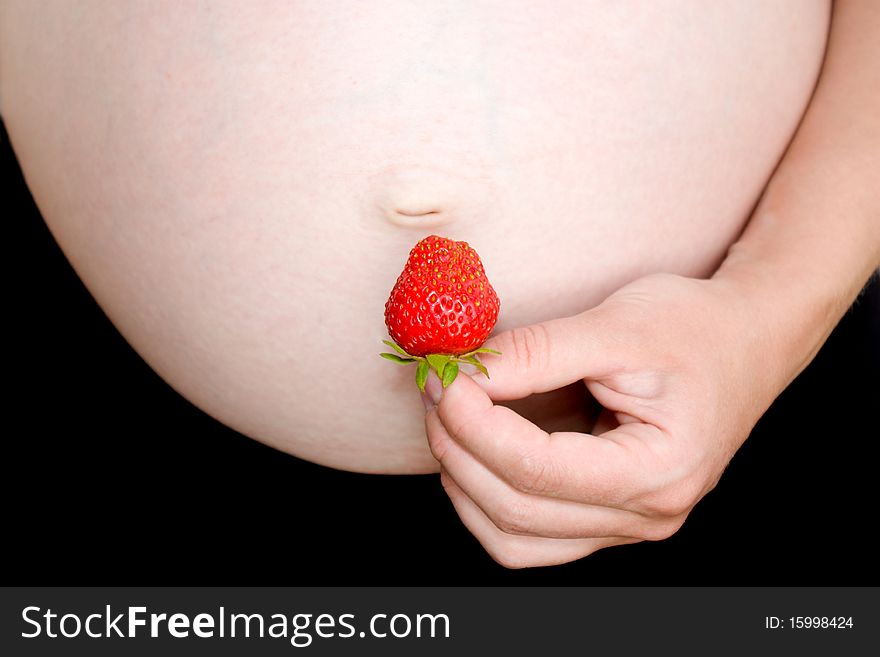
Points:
x=301, y=629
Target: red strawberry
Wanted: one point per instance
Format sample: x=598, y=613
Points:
x=441, y=309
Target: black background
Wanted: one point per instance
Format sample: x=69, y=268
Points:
x=112, y=477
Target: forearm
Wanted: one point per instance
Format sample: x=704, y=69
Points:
x=814, y=239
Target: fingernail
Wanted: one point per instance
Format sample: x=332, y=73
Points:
x=476, y=375
x=433, y=389
x=427, y=401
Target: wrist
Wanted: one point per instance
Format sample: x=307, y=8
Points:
x=786, y=308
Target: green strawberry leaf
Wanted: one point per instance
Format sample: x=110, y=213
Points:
x=483, y=350
x=438, y=362
x=422, y=374
x=449, y=374
x=397, y=348
x=473, y=360
x=397, y=359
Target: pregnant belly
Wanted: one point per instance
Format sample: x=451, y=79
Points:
x=238, y=184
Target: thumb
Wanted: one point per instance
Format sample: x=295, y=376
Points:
x=545, y=356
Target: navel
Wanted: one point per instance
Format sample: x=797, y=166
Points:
x=428, y=196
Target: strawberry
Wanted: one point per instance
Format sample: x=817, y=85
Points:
x=441, y=310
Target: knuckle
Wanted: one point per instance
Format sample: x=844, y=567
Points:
x=670, y=503
x=438, y=445
x=462, y=428
x=510, y=556
x=531, y=347
x=662, y=530
x=532, y=475
x=514, y=517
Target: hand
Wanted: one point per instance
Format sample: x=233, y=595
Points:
x=673, y=361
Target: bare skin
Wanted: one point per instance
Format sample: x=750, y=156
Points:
x=238, y=186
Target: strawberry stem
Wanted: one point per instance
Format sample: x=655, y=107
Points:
x=445, y=365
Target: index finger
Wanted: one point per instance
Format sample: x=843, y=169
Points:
x=548, y=355
x=608, y=470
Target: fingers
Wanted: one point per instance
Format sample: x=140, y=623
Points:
x=545, y=356
x=606, y=471
x=514, y=551
x=514, y=512
x=604, y=423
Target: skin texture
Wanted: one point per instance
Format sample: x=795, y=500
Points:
x=683, y=367
x=238, y=184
